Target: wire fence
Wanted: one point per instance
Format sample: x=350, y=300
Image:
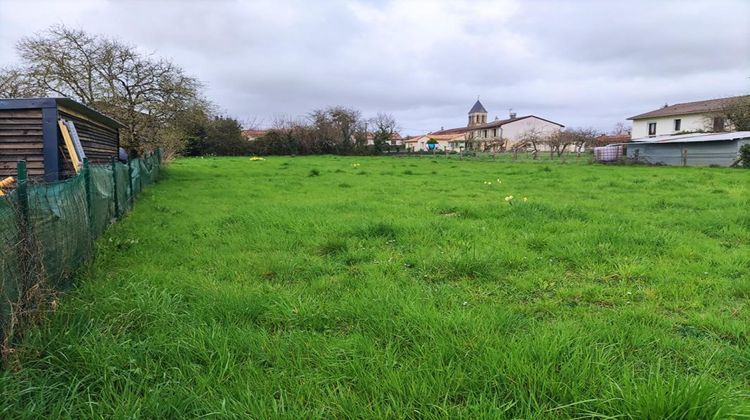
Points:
x=47, y=231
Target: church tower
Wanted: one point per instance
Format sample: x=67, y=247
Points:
x=477, y=114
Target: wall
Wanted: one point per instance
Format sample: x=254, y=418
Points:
x=665, y=125
x=514, y=130
x=99, y=141
x=722, y=153
x=21, y=139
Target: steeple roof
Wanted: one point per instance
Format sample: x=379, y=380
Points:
x=478, y=107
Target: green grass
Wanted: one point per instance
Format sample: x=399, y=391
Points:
x=308, y=287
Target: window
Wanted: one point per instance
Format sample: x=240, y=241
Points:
x=718, y=124
x=651, y=129
x=485, y=133
x=494, y=132
x=677, y=124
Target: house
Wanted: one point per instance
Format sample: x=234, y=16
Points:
x=395, y=139
x=29, y=130
x=251, y=134
x=699, y=116
x=607, y=139
x=498, y=134
x=697, y=149
x=446, y=142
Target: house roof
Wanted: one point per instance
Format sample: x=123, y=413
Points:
x=695, y=138
x=697, y=107
x=478, y=107
x=394, y=136
x=254, y=134
x=612, y=139
x=457, y=130
x=491, y=124
x=498, y=123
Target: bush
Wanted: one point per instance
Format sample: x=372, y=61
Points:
x=745, y=156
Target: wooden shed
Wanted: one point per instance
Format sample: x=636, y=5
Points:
x=29, y=131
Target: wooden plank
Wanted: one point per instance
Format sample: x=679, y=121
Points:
x=6, y=157
x=22, y=113
x=69, y=146
x=16, y=132
x=21, y=146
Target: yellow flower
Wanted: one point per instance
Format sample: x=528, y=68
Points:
x=499, y=182
x=509, y=198
x=525, y=199
x=256, y=158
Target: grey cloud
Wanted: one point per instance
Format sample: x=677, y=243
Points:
x=579, y=63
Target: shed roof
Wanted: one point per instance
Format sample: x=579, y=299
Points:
x=695, y=138
x=697, y=107
x=29, y=103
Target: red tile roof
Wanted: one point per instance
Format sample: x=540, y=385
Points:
x=254, y=134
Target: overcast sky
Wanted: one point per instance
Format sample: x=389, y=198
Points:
x=579, y=63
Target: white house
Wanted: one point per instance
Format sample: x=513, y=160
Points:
x=498, y=134
x=700, y=116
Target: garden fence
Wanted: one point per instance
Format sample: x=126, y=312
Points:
x=47, y=231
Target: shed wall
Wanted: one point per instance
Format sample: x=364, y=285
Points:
x=722, y=153
x=21, y=139
x=99, y=142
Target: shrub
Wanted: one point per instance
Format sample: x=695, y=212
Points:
x=745, y=155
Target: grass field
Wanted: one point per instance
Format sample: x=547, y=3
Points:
x=313, y=287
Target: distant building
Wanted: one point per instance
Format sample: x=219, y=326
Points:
x=254, y=134
x=607, y=139
x=701, y=149
x=700, y=116
x=481, y=135
x=395, y=139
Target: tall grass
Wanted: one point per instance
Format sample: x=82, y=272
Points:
x=252, y=289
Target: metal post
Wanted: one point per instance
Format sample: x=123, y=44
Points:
x=130, y=182
x=87, y=186
x=114, y=187
x=23, y=195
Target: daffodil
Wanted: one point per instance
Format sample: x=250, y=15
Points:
x=525, y=199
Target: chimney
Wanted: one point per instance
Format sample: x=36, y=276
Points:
x=496, y=118
x=441, y=128
x=512, y=114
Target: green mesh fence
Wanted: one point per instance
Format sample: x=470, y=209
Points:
x=123, y=187
x=58, y=215
x=47, y=229
x=10, y=278
x=102, y=198
x=135, y=176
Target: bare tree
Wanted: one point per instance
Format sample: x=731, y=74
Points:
x=15, y=84
x=620, y=128
x=533, y=138
x=142, y=92
x=384, y=126
x=737, y=111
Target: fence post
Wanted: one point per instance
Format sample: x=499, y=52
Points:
x=130, y=182
x=684, y=157
x=23, y=195
x=114, y=187
x=87, y=186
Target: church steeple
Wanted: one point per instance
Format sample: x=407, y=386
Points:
x=477, y=114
